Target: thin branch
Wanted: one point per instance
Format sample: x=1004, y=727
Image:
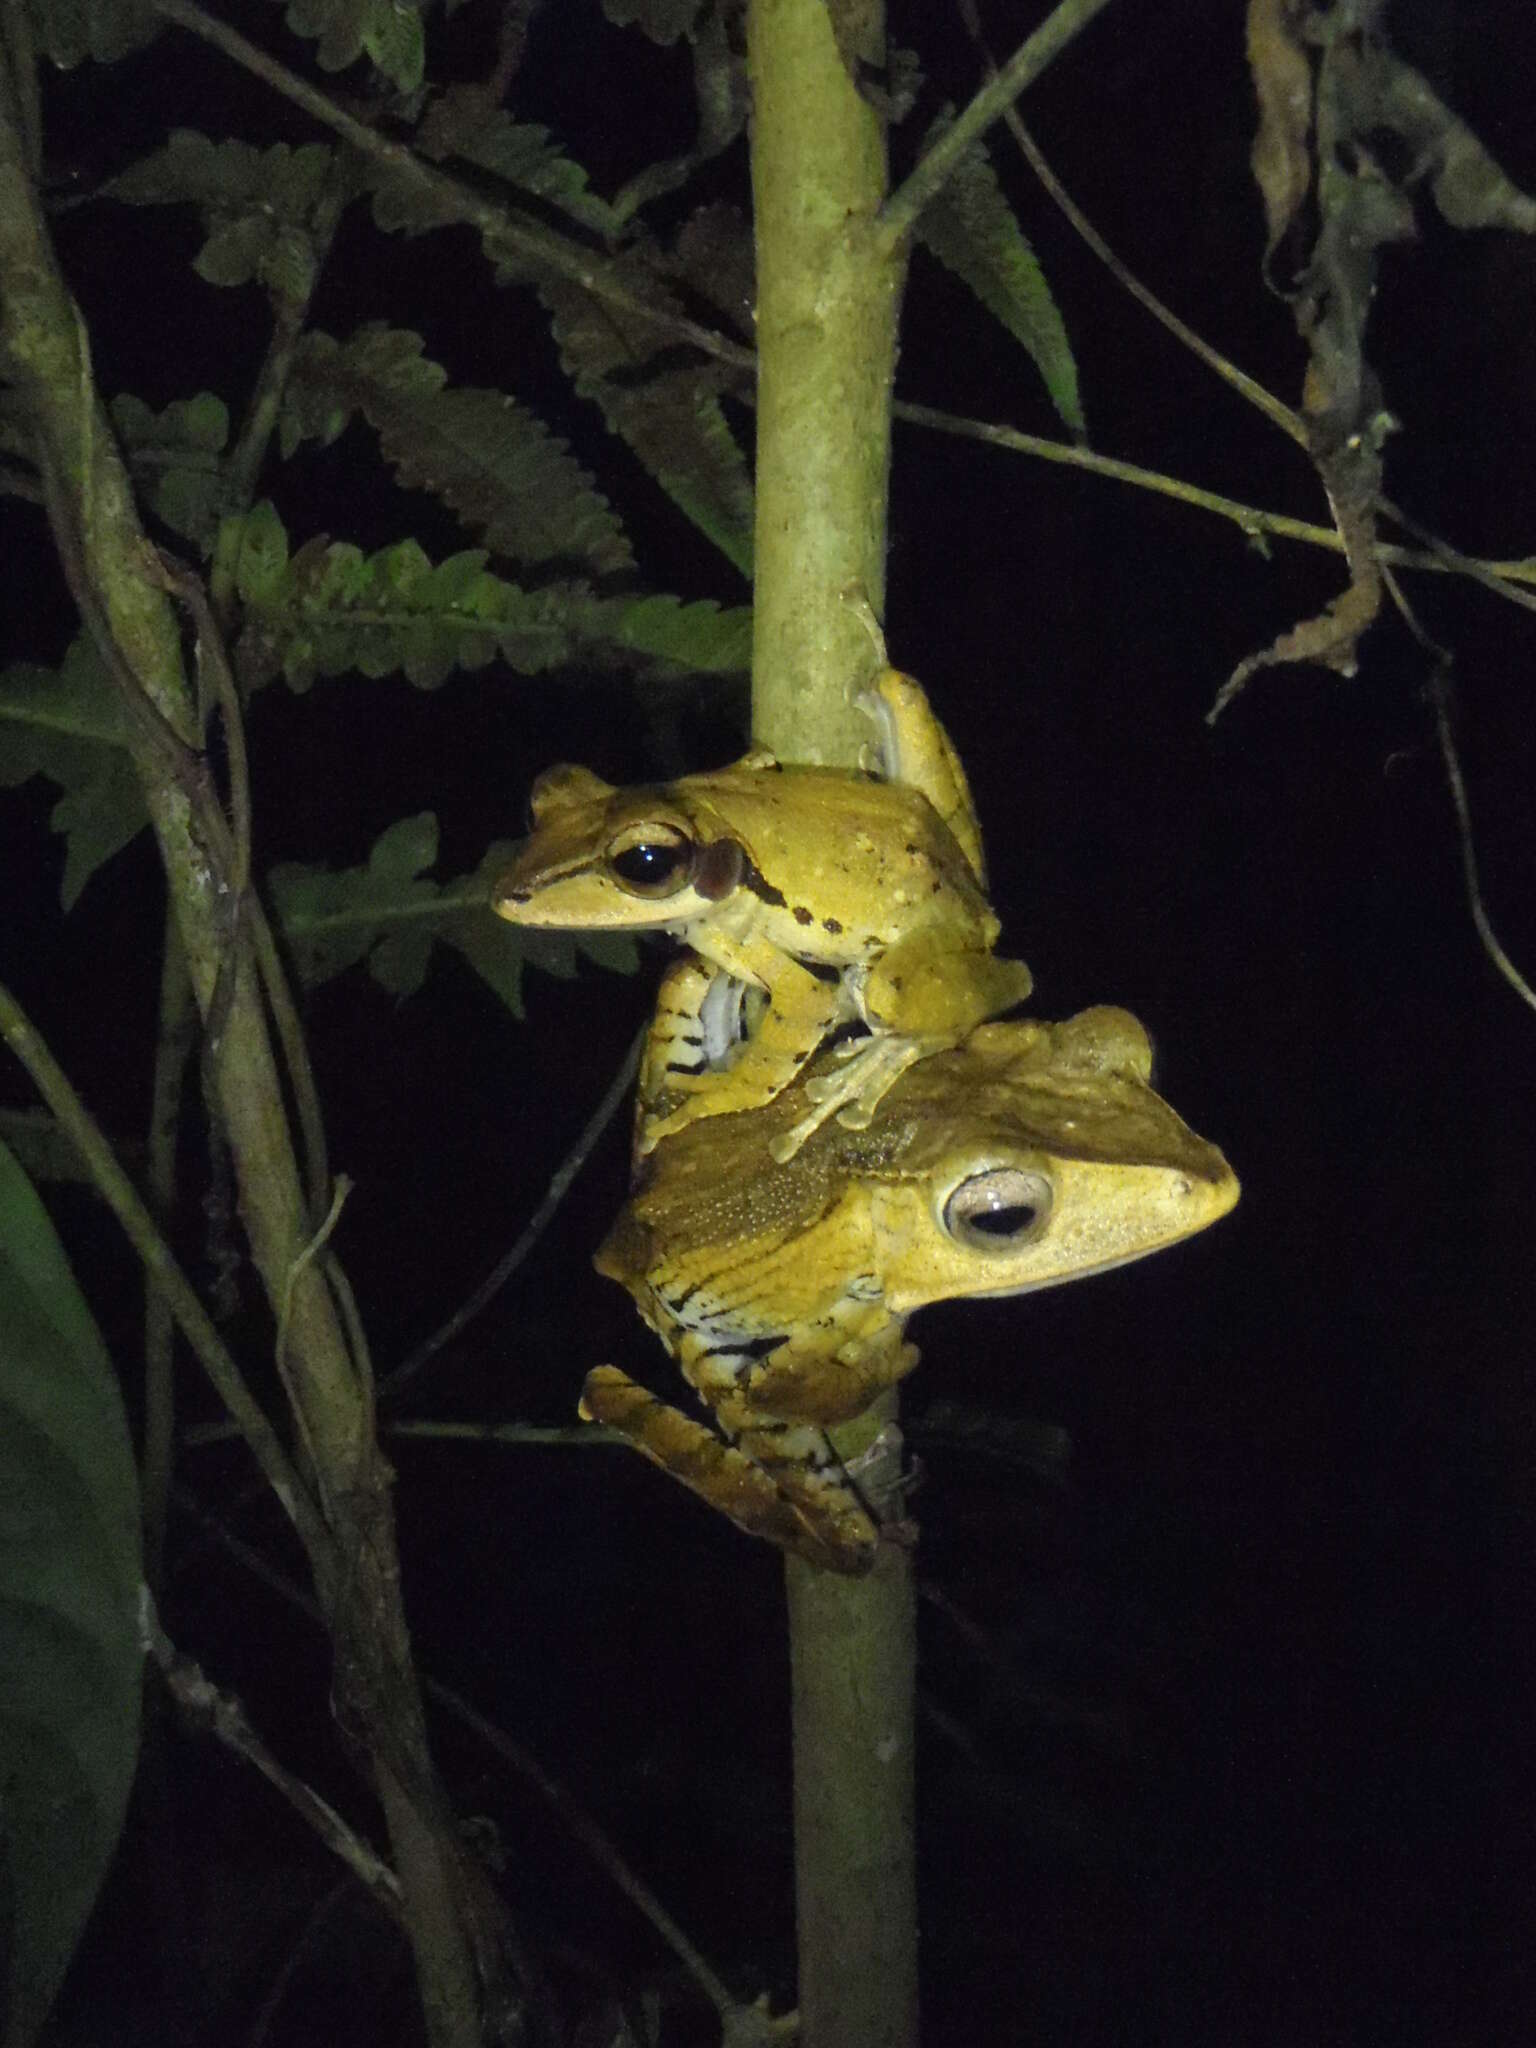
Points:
x=289, y=317
x=126, y=1204
x=592, y=1838
x=578, y=1436
x=221, y=1712
x=1273, y=409
x=174, y=1040
x=1496, y=575
x=1440, y=698
x=532, y=1230
x=522, y=1761
x=1058, y=29
x=1439, y=695
x=538, y=245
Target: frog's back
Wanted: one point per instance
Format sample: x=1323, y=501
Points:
x=839, y=852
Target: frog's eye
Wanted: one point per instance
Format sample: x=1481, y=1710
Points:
x=999, y=1210
x=652, y=859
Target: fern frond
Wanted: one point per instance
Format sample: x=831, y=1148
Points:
x=489, y=459
x=69, y=31
x=65, y=723
x=390, y=914
x=384, y=31
x=971, y=228
x=174, y=456
x=256, y=204
x=655, y=398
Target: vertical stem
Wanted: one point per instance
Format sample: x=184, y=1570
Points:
x=173, y=1048
x=827, y=293
x=827, y=290
x=852, y=1687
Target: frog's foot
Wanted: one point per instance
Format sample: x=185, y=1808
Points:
x=791, y=1504
x=872, y=1067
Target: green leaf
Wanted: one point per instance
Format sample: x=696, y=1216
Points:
x=69, y=1574
x=662, y=20
x=463, y=124
x=262, y=560
x=390, y=914
x=256, y=204
x=389, y=32
x=332, y=609
x=174, y=457
x=692, y=636
x=490, y=460
x=663, y=407
x=970, y=227
x=65, y=723
x=69, y=31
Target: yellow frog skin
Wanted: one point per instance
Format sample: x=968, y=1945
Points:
x=1030, y=1155
x=815, y=897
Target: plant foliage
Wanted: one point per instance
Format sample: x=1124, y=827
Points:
x=69, y=1576
x=972, y=230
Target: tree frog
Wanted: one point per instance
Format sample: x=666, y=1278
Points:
x=816, y=897
x=1030, y=1154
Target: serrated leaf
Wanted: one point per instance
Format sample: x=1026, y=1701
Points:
x=971, y=228
x=463, y=124
x=332, y=919
x=498, y=951
x=662, y=20
x=489, y=459
x=65, y=723
x=696, y=636
x=69, y=1574
x=389, y=914
x=69, y=31
x=714, y=253
x=263, y=555
x=661, y=406
x=256, y=204
x=388, y=32
x=174, y=457
x=335, y=609
x=234, y=253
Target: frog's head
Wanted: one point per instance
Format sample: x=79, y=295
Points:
x=604, y=858
x=1038, y=1154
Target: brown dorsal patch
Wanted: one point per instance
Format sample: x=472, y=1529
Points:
x=718, y=869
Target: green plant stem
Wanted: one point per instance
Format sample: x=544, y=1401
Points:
x=125, y=1202
x=1022, y=69
x=828, y=289
x=827, y=294
x=173, y=1049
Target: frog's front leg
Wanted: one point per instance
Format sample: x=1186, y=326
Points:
x=787, y=1011
x=912, y=745
x=919, y=997
x=803, y=1510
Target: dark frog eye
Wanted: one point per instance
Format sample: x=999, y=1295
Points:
x=998, y=1210
x=652, y=859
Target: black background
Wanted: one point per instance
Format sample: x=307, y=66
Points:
x=1233, y=1744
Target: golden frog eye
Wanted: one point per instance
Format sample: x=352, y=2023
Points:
x=652, y=859
x=998, y=1210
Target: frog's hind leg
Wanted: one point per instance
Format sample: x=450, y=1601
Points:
x=803, y=1510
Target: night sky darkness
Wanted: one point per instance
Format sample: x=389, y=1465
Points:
x=1228, y=1730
